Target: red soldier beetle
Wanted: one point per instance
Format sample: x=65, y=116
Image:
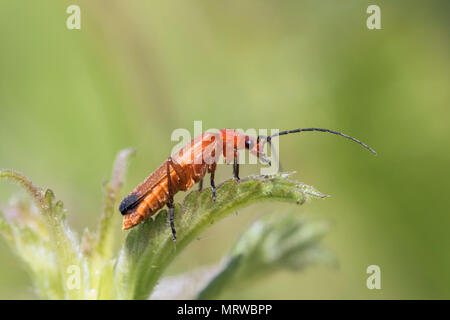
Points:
x=190, y=165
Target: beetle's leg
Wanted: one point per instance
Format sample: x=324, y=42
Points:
x=236, y=165
x=170, y=205
x=183, y=182
x=200, y=185
x=170, y=202
x=179, y=170
x=212, y=170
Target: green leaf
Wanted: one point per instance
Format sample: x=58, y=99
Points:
x=148, y=248
x=44, y=241
x=105, y=234
x=31, y=244
x=102, y=247
x=273, y=243
x=25, y=183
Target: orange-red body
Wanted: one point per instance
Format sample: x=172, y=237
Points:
x=188, y=166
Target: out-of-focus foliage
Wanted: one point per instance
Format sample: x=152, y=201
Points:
x=270, y=244
x=40, y=236
x=138, y=70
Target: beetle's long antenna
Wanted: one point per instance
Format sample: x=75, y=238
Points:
x=282, y=133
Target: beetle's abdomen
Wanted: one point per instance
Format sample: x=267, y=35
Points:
x=158, y=197
x=149, y=205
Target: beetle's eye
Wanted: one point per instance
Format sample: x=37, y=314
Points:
x=248, y=144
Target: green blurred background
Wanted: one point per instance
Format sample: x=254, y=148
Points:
x=137, y=70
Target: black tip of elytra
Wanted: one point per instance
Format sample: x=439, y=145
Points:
x=128, y=203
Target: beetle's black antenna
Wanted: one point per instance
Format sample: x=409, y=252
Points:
x=282, y=133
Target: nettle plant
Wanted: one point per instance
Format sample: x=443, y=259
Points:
x=62, y=265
